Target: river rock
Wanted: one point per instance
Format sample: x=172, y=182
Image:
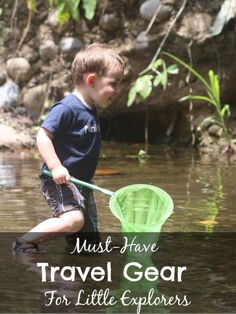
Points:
x=14, y=138
x=109, y=22
x=215, y=130
x=194, y=25
x=148, y=8
x=142, y=41
x=9, y=94
x=48, y=50
x=70, y=44
x=53, y=22
x=33, y=100
x=170, y=2
x=19, y=69
x=30, y=54
x=44, y=33
x=52, y=19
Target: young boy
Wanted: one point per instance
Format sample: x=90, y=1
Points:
x=69, y=143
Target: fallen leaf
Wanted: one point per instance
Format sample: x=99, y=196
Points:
x=208, y=222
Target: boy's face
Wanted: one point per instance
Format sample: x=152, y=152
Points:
x=106, y=87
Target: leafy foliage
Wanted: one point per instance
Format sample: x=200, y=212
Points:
x=89, y=7
x=67, y=9
x=144, y=84
x=31, y=5
x=212, y=89
x=156, y=74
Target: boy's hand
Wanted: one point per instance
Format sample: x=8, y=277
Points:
x=60, y=175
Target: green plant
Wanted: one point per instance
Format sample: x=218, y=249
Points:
x=67, y=9
x=31, y=6
x=144, y=85
x=212, y=89
x=142, y=154
x=89, y=7
x=157, y=74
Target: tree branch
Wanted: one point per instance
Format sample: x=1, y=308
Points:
x=166, y=36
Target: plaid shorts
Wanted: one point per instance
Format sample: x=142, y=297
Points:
x=68, y=197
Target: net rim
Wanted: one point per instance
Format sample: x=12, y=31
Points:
x=140, y=185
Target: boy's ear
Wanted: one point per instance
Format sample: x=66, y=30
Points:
x=90, y=79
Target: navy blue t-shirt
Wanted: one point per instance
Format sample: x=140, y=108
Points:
x=77, y=137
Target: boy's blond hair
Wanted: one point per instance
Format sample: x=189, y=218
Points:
x=97, y=58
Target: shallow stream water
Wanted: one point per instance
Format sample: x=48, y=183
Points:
x=200, y=233
x=202, y=189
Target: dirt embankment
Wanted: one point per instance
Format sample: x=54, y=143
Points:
x=35, y=66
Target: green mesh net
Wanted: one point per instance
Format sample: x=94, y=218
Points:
x=141, y=207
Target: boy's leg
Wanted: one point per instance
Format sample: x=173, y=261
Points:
x=67, y=222
x=67, y=204
x=89, y=231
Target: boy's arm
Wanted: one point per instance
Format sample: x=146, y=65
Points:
x=46, y=149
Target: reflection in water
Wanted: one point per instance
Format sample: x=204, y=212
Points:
x=214, y=203
x=141, y=295
x=202, y=190
x=212, y=187
x=7, y=176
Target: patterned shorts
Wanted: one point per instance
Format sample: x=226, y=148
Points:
x=68, y=197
